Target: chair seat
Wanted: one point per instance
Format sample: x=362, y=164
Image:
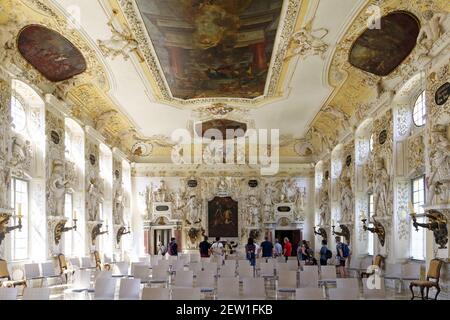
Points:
x=423, y=283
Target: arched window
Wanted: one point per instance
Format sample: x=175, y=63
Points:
x=420, y=110
x=19, y=117
x=371, y=143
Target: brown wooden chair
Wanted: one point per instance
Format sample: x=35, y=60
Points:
x=378, y=261
x=63, y=268
x=432, y=281
x=98, y=262
x=4, y=274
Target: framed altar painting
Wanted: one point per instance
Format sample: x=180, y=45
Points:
x=223, y=217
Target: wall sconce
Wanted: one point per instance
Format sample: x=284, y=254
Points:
x=321, y=232
x=345, y=232
x=4, y=229
x=378, y=229
x=437, y=223
x=60, y=228
x=97, y=232
x=121, y=232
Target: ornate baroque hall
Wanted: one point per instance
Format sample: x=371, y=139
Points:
x=224, y=150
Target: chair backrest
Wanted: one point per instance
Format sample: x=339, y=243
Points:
x=32, y=270
x=186, y=294
x=343, y=294
x=243, y=262
x=48, y=269
x=105, y=288
x=309, y=293
x=141, y=272
x=210, y=266
x=145, y=260
x=205, y=260
x=195, y=267
x=184, y=279
x=75, y=262
x=121, y=267
x=345, y=283
x=411, y=271
x=82, y=279
x=267, y=270
x=155, y=293
x=194, y=257
x=292, y=265
x=281, y=259
x=163, y=264
x=434, y=270
x=36, y=293
x=393, y=269
x=227, y=271
x=327, y=272
x=228, y=288
x=133, y=267
x=129, y=289
x=287, y=279
x=254, y=288
x=8, y=293
x=311, y=268
x=308, y=279
x=62, y=262
x=103, y=274
x=178, y=265
x=86, y=262
x=159, y=273
x=374, y=290
x=205, y=279
x=282, y=267
x=245, y=271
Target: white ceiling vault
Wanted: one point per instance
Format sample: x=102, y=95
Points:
x=304, y=88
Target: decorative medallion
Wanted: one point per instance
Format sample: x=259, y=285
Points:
x=382, y=137
x=192, y=183
x=442, y=94
x=348, y=160
x=55, y=137
x=141, y=149
x=92, y=159
x=50, y=53
x=252, y=183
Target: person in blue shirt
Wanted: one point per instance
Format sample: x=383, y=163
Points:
x=278, y=251
x=267, y=248
x=324, y=253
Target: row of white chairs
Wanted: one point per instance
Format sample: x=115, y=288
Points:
x=28, y=293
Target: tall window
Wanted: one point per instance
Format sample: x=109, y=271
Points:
x=101, y=241
x=19, y=239
x=370, y=234
x=418, y=237
x=420, y=110
x=68, y=213
x=19, y=118
x=371, y=143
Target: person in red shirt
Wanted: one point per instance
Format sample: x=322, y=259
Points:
x=287, y=252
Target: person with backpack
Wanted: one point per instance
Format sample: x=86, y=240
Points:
x=173, y=247
x=342, y=253
x=250, y=252
x=217, y=250
x=325, y=253
x=204, y=247
x=162, y=250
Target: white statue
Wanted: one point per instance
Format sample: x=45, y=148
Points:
x=324, y=207
x=5, y=182
x=57, y=188
x=21, y=152
x=440, y=160
x=93, y=199
x=222, y=186
x=431, y=31
x=119, y=203
x=346, y=199
x=268, y=203
x=381, y=188
x=299, y=201
x=161, y=194
x=121, y=43
x=213, y=152
x=193, y=211
x=253, y=211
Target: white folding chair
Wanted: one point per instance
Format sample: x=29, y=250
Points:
x=129, y=289
x=195, y=267
x=243, y=262
x=245, y=271
x=292, y=265
x=184, y=279
x=82, y=280
x=308, y=279
x=155, y=294
x=49, y=272
x=311, y=268
x=267, y=270
x=343, y=294
x=374, y=290
x=155, y=259
x=32, y=272
x=281, y=267
x=346, y=283
x=327, y=274
x=121, y=269
x=142, y=272
x=104, y=288
x=211, y=267
x=163, y=264
x=227, y=271
x=177, y=265
x=309, y=294
x=185, y=294
x=254, y=289
x=86, y=263
x=159, y=274
x=36, y=294
x=205, y=281
x=133, y=267
x=205, y=260
x=287, y=281
x=228, y=288
x=8, y=293
x=231, y=263
x=102, y=274
x=194, y=257
x=75, y=262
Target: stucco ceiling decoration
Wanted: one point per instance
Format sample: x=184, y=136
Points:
x=356, y=90
x=266, y=84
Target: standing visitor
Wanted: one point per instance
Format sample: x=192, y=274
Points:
x=205, y=247
x=278, y=249
x=267, y=248
x=325, y=253
x=173, y=247
x=287, y=251
x=250, y=252
x=217, y=250
x=342, y=253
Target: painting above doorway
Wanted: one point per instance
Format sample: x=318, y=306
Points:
x=213, y=48
x=223, y=217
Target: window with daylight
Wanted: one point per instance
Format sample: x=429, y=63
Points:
x=19, y=238
x=418, y=237
x=371, y=143
x=19, y=118
x=68, y=236
x=101, y=238
x=370, y=234
x=420, y=110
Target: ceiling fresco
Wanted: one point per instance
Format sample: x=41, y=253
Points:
x=381, y=51
x=55, y=57
x=220, y=125
x=213, y=48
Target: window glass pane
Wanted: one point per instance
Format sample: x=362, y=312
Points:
x=370, y=234
x=18, y=115
x=19, y=238
x=420, y=110
x=418, y=237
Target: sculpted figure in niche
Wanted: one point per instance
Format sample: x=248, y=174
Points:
x=193, y=211
x=253, y=211
x=324, y=208
x=119, y=203
x=57, y=188
x=299, y=201
x=94, y=196
x=5, y=181
x=381, y=188
x=346, y=199
x=21, y=151
x=268, y=202
x=440, y=161
x=222, y=186
x=161, y=195
x=431, y=31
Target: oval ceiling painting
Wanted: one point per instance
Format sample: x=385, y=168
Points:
x=50, y=53
x=381, y=51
